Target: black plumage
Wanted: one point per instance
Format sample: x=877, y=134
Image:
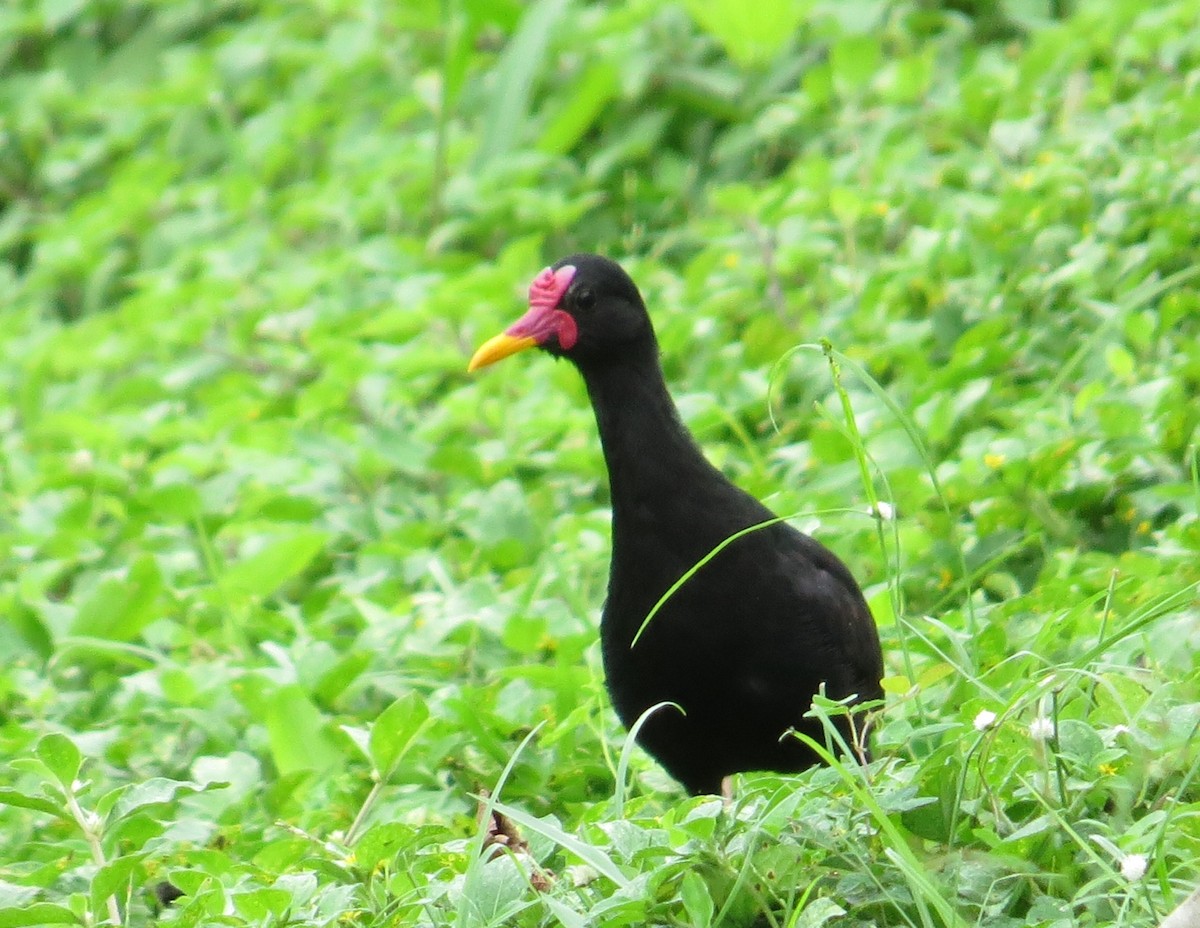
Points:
x=743, y=645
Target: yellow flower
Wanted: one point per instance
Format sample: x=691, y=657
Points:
x=994, y=460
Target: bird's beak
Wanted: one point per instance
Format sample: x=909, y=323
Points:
x=542, y=322
x=497, y=347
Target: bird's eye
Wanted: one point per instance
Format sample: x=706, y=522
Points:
x=585, y=299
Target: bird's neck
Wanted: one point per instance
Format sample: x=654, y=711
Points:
x=649, y=452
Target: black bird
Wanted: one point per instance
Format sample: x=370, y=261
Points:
x=744, y=644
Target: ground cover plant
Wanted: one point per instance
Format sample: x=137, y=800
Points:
x=297, y=617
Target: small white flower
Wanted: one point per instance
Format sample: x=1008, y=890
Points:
x=985, y=720
x=81, y=461
x=1133, y=866
x=1041, y=728
x=885, y=511
x=1120, y=729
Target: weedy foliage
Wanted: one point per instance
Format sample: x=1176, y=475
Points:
x=286, y=596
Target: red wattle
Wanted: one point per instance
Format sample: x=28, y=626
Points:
x=568, y=331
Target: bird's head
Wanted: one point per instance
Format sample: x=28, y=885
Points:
x=584, y=308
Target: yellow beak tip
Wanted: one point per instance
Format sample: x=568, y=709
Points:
x=496, y=348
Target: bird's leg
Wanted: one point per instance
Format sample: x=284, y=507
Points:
x=727, y=790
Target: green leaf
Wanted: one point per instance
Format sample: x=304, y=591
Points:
x=566, y=916
x=1079, y=741
x=120, y=608
x=854, y=61
x=113, y=879
x=262, y=905
x=817, y=912
x=382, y=842
x=1120, y=362
x=57, y=13
x=910, y=78
x=818, y=84
x=260, y=574
x=751, y=33
x=507, y=114
x=591, y=93
x=696, y=899
x=846, y=204
x=40, y=913
x=296, y=731
x=393, y=733
x=341, y=675
x=12, y=895
x=155, y=791
x=11, y=797
x=29, y=625
x=61, y=757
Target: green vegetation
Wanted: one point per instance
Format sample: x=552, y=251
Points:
x=284, y=591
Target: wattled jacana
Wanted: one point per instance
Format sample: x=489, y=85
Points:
x=744, y=644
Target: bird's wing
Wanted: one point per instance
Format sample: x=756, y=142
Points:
x=811, y=604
